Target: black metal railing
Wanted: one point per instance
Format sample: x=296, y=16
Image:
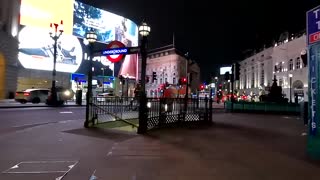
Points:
x=164, y=111
x=104, y=109
x=160, y=111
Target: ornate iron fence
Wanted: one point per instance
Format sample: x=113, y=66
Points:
x=161, y=112
x=165, y=111
x=105, y=109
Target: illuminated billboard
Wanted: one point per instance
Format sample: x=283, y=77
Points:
x=36, y=50
x=37, y=13
x=223, y=70
x=108, y=26
x=36, y=46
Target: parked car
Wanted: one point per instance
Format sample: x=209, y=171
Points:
x=34, y=96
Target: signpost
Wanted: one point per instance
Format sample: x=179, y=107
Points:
x=116, y=51
x=313, y=39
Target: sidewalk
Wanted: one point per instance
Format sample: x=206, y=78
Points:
x=237, y=147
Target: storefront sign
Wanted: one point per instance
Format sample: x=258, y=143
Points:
x=313, y=25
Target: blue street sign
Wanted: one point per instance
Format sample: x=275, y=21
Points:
x=313, y=25
x=313, y=83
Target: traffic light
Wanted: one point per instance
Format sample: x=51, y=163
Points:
x=236, y=71
x=201, y=87
x=184, y=80
x=154, y=76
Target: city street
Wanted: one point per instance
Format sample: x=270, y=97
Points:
x=51, y=143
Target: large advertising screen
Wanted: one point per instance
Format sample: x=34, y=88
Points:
x=37, y=13
x=36, y=50
x=36, y=46
x=223, y=70
x=108, y=26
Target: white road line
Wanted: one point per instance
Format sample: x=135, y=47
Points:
x=66, y=112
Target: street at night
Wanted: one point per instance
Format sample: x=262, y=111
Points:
x=45, y=142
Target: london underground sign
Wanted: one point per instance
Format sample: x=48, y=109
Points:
x=116, y=51
x=313, y=25
x=114, y=57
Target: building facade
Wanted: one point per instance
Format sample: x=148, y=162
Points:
x=9, y=11
x=256, y=73
x=286, y=61
x=169, y=65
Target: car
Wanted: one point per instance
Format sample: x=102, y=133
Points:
x=63, y=95
x=105, y=97
x=34, y=96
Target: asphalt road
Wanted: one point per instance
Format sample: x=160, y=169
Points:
x=51, y=144
x=19, y=117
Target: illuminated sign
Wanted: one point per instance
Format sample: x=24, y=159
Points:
x=223, y=70
x=115, y=51
x=313, y=25
x=36, y=51
x=37, y=13
x=313, y=84
x=108, y=26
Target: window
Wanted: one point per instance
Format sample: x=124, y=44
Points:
x=252, y=80
x=262, y=77
x=160, y=80
x=165, y=80
x=252, y=77
x=174, y=80
x=298, y=63
x=280, y=82
x=262, y=74
x=245, y=79
x=290, y=65
x=167, y=53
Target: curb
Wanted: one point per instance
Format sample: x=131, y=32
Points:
x=33, y=106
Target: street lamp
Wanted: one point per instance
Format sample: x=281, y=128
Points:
x=102, y=80
x=91, y=37
x=144, y=31
x=290, y=77
x=56, y=31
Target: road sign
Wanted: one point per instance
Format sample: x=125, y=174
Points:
x=115, y=57
x=313, y=25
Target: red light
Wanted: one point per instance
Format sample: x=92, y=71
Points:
x=184, y=79
x=26, y=94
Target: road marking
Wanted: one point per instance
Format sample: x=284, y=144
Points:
x=93, y=176
x=66, y=112
x=15, y=169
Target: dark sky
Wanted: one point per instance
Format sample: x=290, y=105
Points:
x=217, y=33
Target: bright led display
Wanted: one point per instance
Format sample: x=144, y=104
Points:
x=223, y=70
x=36, y=51
x=37, y=13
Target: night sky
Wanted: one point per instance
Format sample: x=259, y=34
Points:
x=217, y=33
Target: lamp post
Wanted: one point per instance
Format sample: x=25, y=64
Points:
x=91, y=36
x=144, y=31
x=290, y=85
x=102, y=80
x=56, y=31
